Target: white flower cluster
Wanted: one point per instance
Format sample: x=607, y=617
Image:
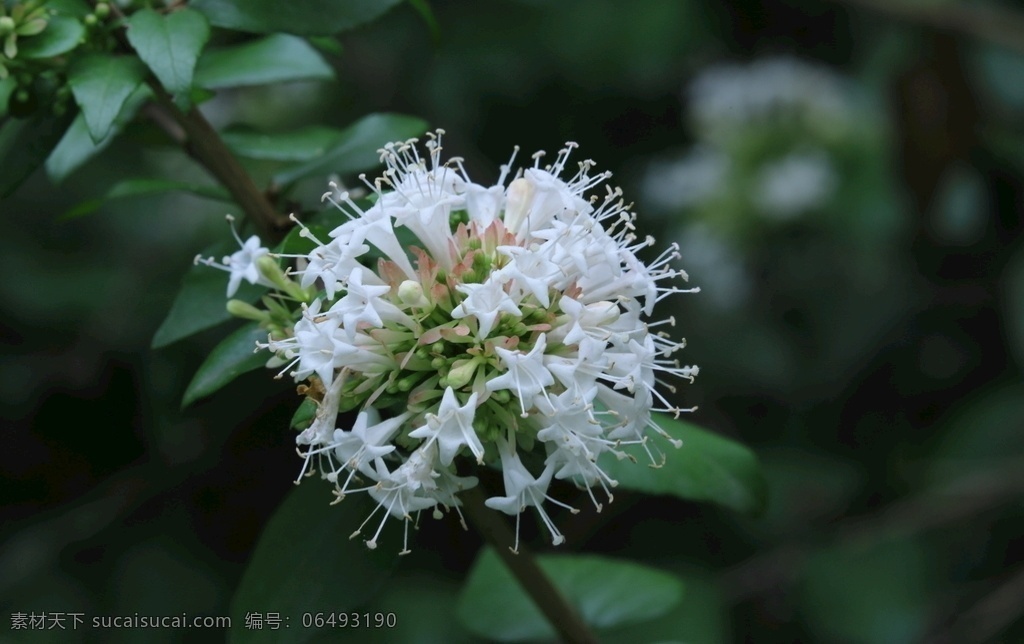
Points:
x=502, y=324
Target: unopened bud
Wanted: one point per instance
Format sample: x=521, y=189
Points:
x=247, y=311
x=461, y=373
x=410, y=293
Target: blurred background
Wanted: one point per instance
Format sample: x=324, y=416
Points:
x=844, y=181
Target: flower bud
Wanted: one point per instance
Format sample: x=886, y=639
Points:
x=520, y=194
x=410, y=293
x=247, y=311
x=461, y=373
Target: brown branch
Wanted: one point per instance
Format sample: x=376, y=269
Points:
x=204, y=144
x=562, y=616
x=997, y=25
x=191, y=130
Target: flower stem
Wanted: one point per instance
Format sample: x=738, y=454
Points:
x=562, y=616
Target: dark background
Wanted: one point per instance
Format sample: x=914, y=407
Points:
x=879, y=381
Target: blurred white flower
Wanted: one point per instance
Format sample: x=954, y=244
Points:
x=687, y=181
x=794, y=184
x=781, y=88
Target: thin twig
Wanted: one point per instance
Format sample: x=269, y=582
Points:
x=562, y=616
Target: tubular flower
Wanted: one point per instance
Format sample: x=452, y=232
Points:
x=503, y=325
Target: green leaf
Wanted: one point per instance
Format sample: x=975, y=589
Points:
x=703, y=618
x=878, y=592
x=708, y=467
x=77, y=146
x=272, y=59
x=101, y=85
x=25, y=144
x=145, y=188
x=305, y=563
x=303, y=17
x=231, y=358
x=202, y=301
x=357, y=145
x=169, y=44
x=304, y=414
x=62, y=34
x=74, y=8
x=7, y=87
x=606, y=592
x=423, y=8
x=299, y=145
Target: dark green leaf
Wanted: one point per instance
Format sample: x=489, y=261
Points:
x=305, y=563
x=231, y=358
x=25, y=144
x=273, y=59
x=327, y=44
x=77, y=146
x=62, y=34
x=7, y=87
x=304, y=414
x=606, y=592
x=144, y=188
x=303, y=17
x=708, y=467
x=702, y=618
x=868, y=593
x=169, y=44
x=298, y=145
x=74, y=8
x=201, y=303
x=424, y=607
x=423, y=8
x=356, y=147
x=101, y=85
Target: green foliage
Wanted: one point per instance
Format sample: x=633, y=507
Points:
x=78, y=146
x=298, y=145
x=305, y=563
x=169, y=44
x=606, y=592
x=143, y=188
x=25, y=144
x=701, y=618
x=355, y=148
x=274, y=59
x=303, y=17
x=101, y=85
x=876, y=593
x=708, y=467
x=200, y=304
x=62, y=34
x=235, y=355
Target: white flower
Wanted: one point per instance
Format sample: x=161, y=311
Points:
x=451, y=428
x=485, y=302
x=241, y=265
x=522, y=490
x=525, y=373
x=518, y=310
